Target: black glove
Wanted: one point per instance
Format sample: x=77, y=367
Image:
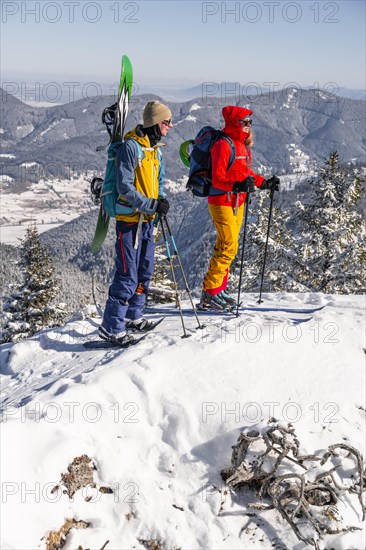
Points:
x=273, y=184
x=162, y=207
x=244, y=186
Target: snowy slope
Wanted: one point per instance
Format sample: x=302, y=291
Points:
x=159, y=421
x=47, y=203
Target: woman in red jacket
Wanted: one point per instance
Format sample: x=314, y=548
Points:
x=226, y=201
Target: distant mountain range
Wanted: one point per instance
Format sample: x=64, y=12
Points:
x=39, y=92
x=294, y=130
x=221, y=90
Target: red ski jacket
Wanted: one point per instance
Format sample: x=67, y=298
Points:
x=222, y=178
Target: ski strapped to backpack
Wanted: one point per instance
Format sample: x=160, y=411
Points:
x=105, y=192
x=196, y=154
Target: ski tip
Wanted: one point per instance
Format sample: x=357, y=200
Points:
x=128, y=73
x=126, y=61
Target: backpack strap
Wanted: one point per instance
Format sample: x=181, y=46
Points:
x=159, y=154
x=232, y=149
x=213, y=191
x=140, y=150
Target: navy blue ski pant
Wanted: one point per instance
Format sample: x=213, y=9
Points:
x=134, y=269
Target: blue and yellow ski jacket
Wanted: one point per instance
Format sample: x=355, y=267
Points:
x=140, y=178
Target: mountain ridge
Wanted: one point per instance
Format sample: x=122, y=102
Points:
x=301, y=123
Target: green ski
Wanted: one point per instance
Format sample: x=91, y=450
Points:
x=114, y=117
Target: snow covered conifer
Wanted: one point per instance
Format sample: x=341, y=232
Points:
x=29, y=307
x=332, y=244
x=281, y=264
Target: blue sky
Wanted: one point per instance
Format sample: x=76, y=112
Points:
x=186, y=42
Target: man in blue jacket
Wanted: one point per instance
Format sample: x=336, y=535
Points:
x=140, y=184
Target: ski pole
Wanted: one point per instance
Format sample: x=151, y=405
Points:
x=246, y=206
x=185, y=335
x=175, y=251
x=266, y=245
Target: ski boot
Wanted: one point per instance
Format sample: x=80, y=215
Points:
x=230, y=301
x=121, y=339
x=210, y=301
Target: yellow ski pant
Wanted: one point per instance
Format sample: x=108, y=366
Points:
x=228, y=228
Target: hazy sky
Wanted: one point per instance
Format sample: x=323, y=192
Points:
x=186, y=42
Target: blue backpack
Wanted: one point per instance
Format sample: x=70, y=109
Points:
x=105, y=191
x=196, y=154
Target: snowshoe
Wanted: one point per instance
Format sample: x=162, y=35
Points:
x=123, y=340
x=142, y=324
x=202, y=308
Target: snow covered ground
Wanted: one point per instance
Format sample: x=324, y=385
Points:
x=48, y=203
x=159, y=420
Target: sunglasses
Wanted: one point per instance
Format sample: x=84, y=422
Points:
x=167, y=122
x=245, y=121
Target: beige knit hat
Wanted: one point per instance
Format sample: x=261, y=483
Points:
x=154, y=113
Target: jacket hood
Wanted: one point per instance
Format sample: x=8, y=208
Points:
x=138, y=136
x=231, y=115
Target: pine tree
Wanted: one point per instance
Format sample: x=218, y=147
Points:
x=281, y=264
x=332, y=244
x=29, y=307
